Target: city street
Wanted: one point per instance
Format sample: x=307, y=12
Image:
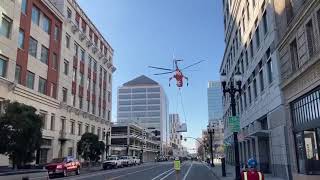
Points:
x=155, y=171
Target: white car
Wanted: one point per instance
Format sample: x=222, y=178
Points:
x=126, y=160
x=136, y=160
x=112, y=162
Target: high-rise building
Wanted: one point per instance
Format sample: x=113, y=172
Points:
x=143, y=100
x=215, y=108
x=174, y=136
x=53, y=58
x=299, y=48
x=251, y=49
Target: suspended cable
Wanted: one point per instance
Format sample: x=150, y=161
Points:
x=184, y=112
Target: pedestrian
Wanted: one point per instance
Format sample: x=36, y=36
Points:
x=252, y=173
x=177, y=167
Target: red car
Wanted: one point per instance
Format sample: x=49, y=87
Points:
x=63, y=166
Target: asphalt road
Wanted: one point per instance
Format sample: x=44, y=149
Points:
x=154, y=171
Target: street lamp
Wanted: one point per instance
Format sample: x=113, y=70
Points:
x=210, y=128
x=232, y=90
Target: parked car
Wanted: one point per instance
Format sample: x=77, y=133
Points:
x=111, y=162
x=136, y=160
x=125, y=161
x=63, y=166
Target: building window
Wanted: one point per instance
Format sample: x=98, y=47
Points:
x=44, y=54
x=42, y=88
x=310, y=38
x=109, y=115
x=64, y=94
x=43, y=117
x=88, y=105
x=54, y=61
x=52, y=122
x=294, y=55
x=270, y=71
x=72, y=123
x=87, y=128
x=245, y=98
x=6, y=25
x=82, y=55
x=289, y=11
x=88, y=83
x=21, y=39
x=69, y=13
x=35, y=16
x=261, y=79
x=94, y=66
x=265, y=22
x=93, y=86
x=66, y=67
x=255, y=92
x=3, y=67
x=109, y=96
x=249, y=94
x=93, y=129
x=81, y=79
x=63, y=124
x=70, y=151
x=53, y=90
x=74, y=74
x=24, y=6
x=93, y=108
x=33, y=45
x=251, y=50
x=73, y=100
x=79, y=129
x=76, y=49
x=46, y=24
x=307, y=143
x=17, y=76
x=257, y=37
x=80, y=102
x=67, y=40
x=30, y=80
x=56, y=33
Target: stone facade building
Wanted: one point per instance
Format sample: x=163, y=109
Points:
x=251, y=39
x=299, y=53
x=53, y=58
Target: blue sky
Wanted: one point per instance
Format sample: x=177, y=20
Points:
x=148, y=32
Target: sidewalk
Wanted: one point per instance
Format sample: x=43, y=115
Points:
x=230, y=172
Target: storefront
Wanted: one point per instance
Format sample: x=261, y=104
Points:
x=305, y=113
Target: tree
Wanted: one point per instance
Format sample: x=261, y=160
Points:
x=90, y=148
x=20, y=133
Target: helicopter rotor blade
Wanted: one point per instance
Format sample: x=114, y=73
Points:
x=193, y=64
x=164, y=73
x=160, y=68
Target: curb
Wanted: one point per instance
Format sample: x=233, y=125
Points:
x=22, y=172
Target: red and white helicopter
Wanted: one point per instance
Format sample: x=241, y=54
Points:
x=178, y=75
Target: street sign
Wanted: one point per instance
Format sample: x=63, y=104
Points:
x=234, y=124
x=182, y=128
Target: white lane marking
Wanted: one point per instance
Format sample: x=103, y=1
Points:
x=171, y=172
x=162, y=174
x=92, y=174
x=185, y=176
x=131, y=173
x=167, y=175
